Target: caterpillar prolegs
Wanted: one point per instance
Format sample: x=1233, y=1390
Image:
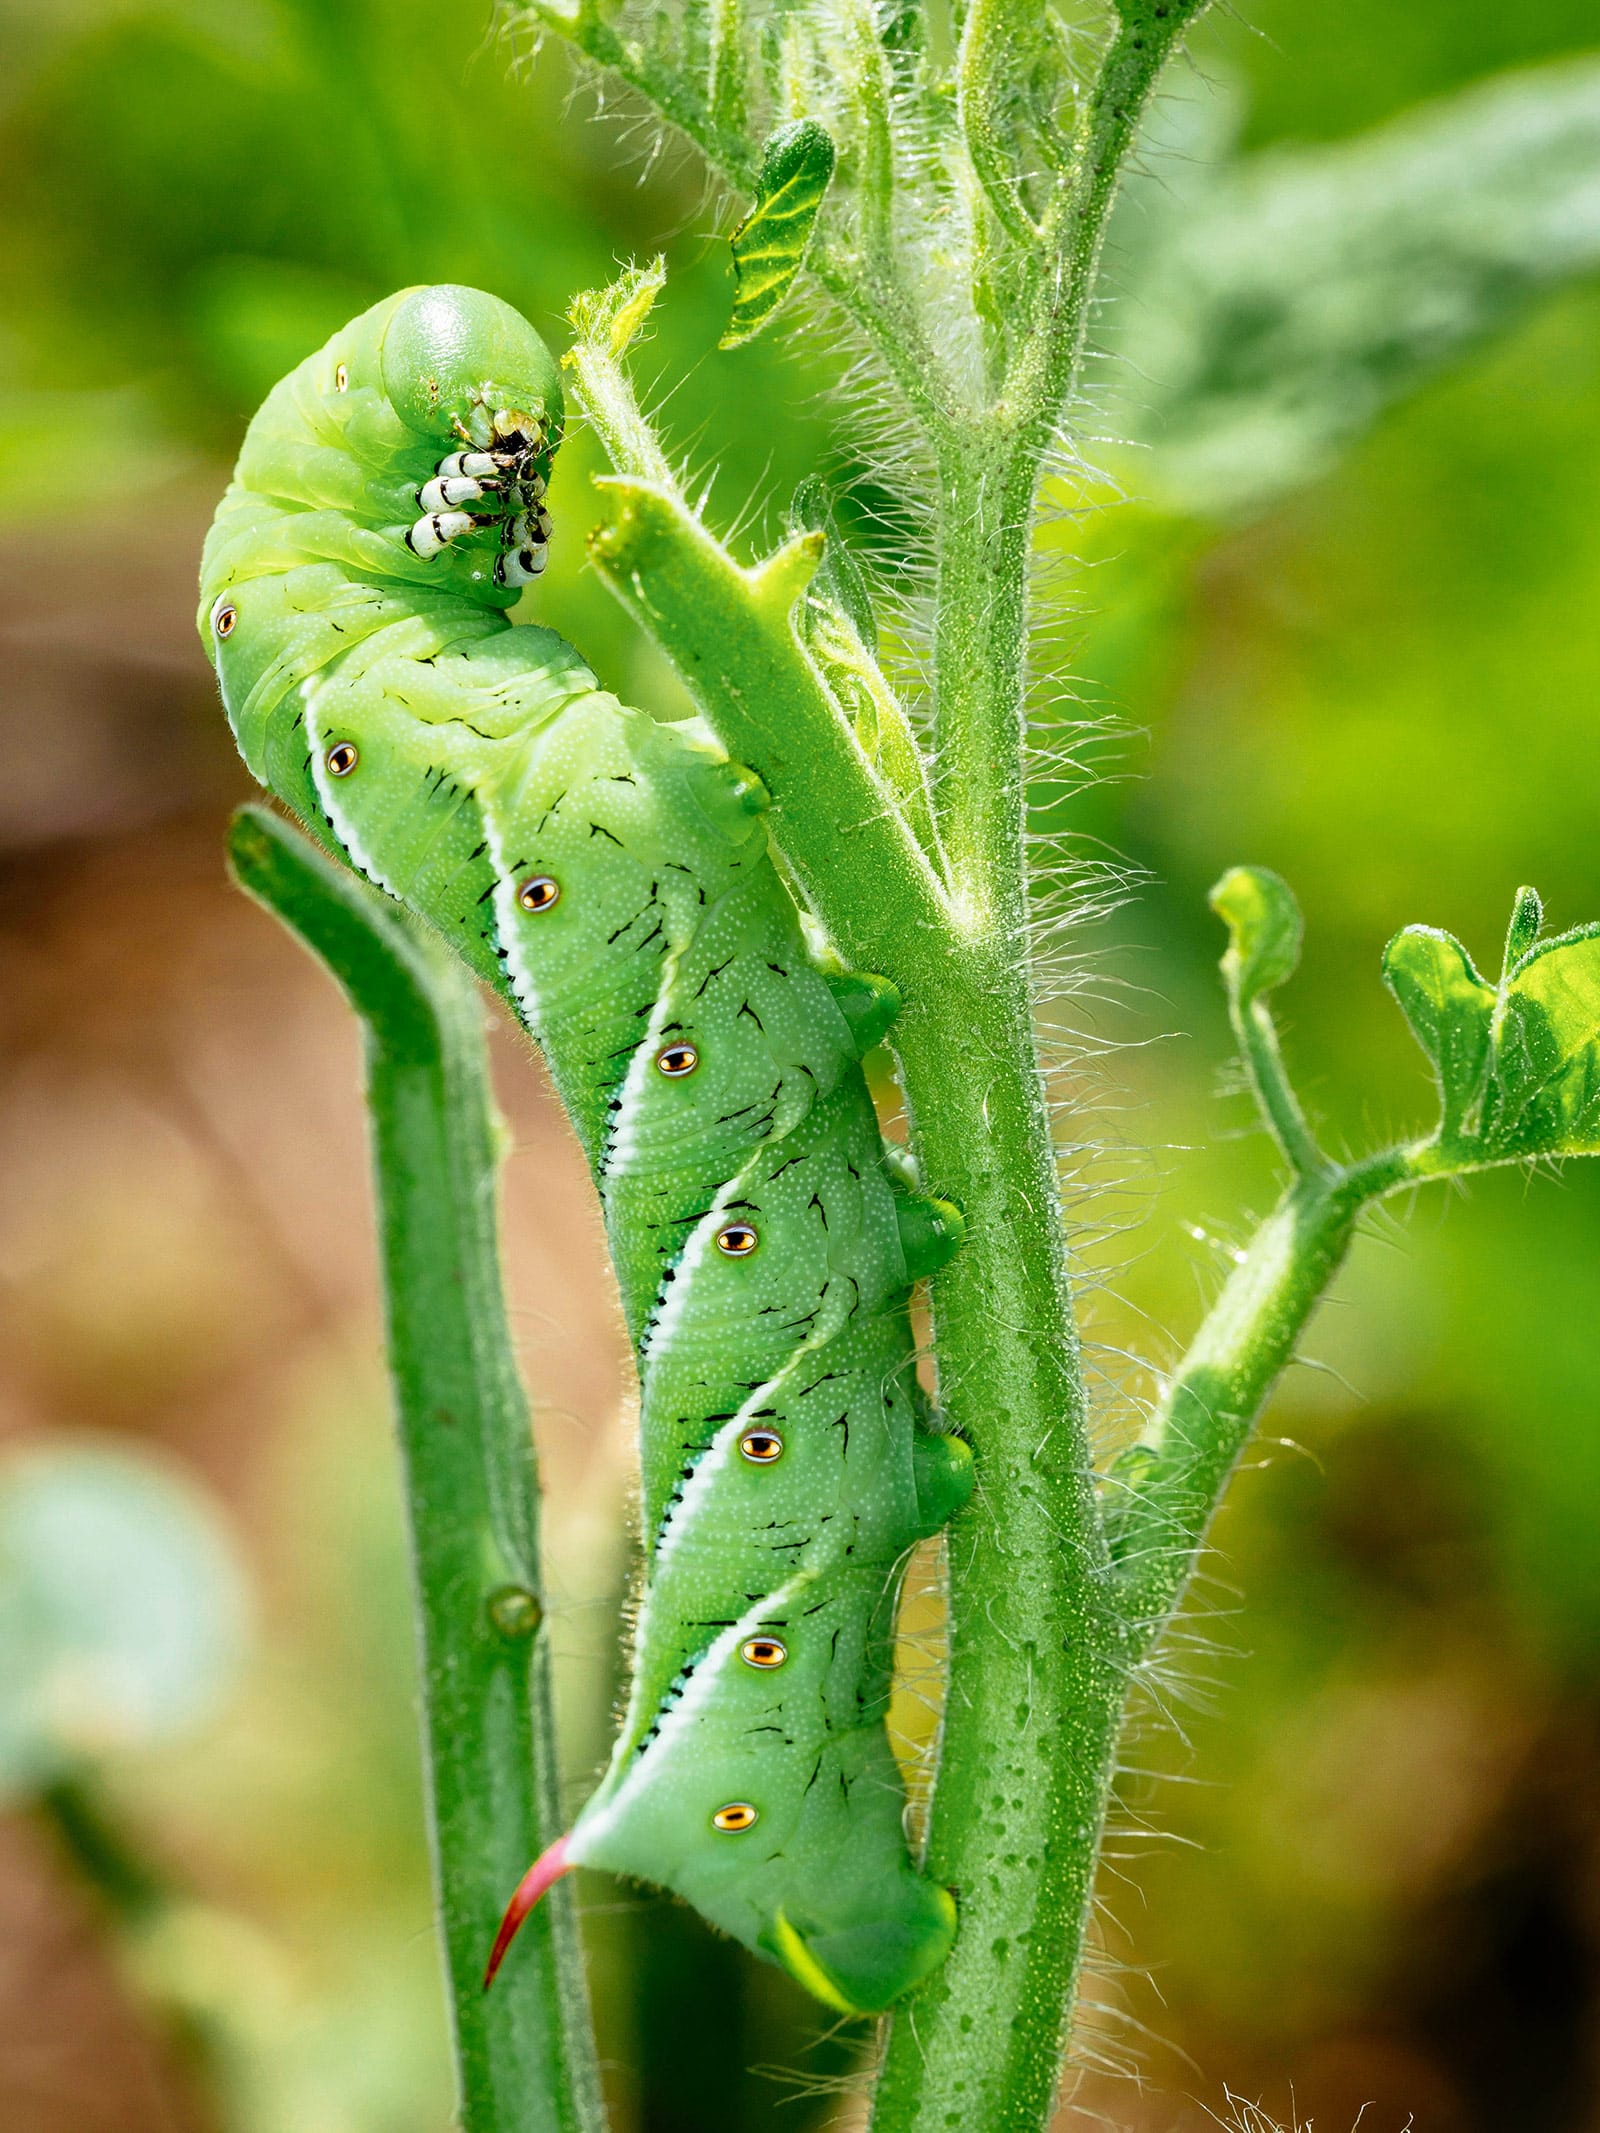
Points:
x=611, y=877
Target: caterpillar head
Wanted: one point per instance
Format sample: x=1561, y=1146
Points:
x=414, y=448
x=460, y=365
x=453, y=358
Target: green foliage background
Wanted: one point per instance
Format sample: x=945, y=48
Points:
x=1382, y=678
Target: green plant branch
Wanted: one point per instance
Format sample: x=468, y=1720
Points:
x=525, y=2059
x=725, y=74
x=1518, y=1078
x=991, y=467
x=982, y=543
x=989, y=40
x=605, y=322
x=884, y=314
x=874, y=298
x=1034, y=1678
x=1030, y=1717
x=1265, y=931
x=1257, y=1033
x=1048, y=353
x=1162, y=1495
x=867, y=70
x=731, y=634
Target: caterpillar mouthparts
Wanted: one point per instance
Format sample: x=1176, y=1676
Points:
x=510, y=479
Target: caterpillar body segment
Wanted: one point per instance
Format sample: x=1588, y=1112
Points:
x=611, y=878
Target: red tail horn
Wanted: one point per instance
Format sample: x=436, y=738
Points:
x=545, y=1871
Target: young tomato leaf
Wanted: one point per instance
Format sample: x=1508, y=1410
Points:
x=1518, y=1064
x=1527, y=918
x=1264, y=930
x=1544, y=1088
x=1450, y=1010
x=839, y=577
x=769, y=246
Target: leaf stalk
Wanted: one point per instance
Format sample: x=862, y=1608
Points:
x=524, y=2056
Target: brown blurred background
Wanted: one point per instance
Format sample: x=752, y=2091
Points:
x=1350, y=629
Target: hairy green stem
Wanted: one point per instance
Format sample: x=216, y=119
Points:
x=869, y=64
x=1038, y=1655
x=1025, y=1762
x=1257, y=1035
x=1037, y=1666
x=1031, y=1714
x=979, y=676
x=1049, y=349
x=731, y=635
x=1034, y=1678
x=525, y=2059
x=983, y=63
x=878, y=305
x=990, y=469
x=1162, y=1495
x=606, y=321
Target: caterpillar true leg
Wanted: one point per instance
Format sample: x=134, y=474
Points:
x=429, y=535
x=611, y=878
x=446, y=492
x=481, y=466
x=521, y=568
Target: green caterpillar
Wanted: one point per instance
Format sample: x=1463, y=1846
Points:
x=611, y=878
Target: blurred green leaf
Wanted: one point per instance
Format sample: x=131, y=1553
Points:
x=769, y=246
x=122, y=1608
x=1276, y=305
x=1518, y=1065
x=1264, y=927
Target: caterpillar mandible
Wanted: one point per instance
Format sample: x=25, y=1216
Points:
x=611, y=878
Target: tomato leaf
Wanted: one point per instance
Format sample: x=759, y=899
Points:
x=769, y=246
x=1518, y=1063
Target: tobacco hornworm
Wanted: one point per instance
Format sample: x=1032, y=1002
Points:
x=611, y=878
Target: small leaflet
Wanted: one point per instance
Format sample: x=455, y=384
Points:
x=1518, y=1063
x=1451, y=1012
x=769, y=246
x=839, y=575
x=611, y=317
x=1263, y=922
